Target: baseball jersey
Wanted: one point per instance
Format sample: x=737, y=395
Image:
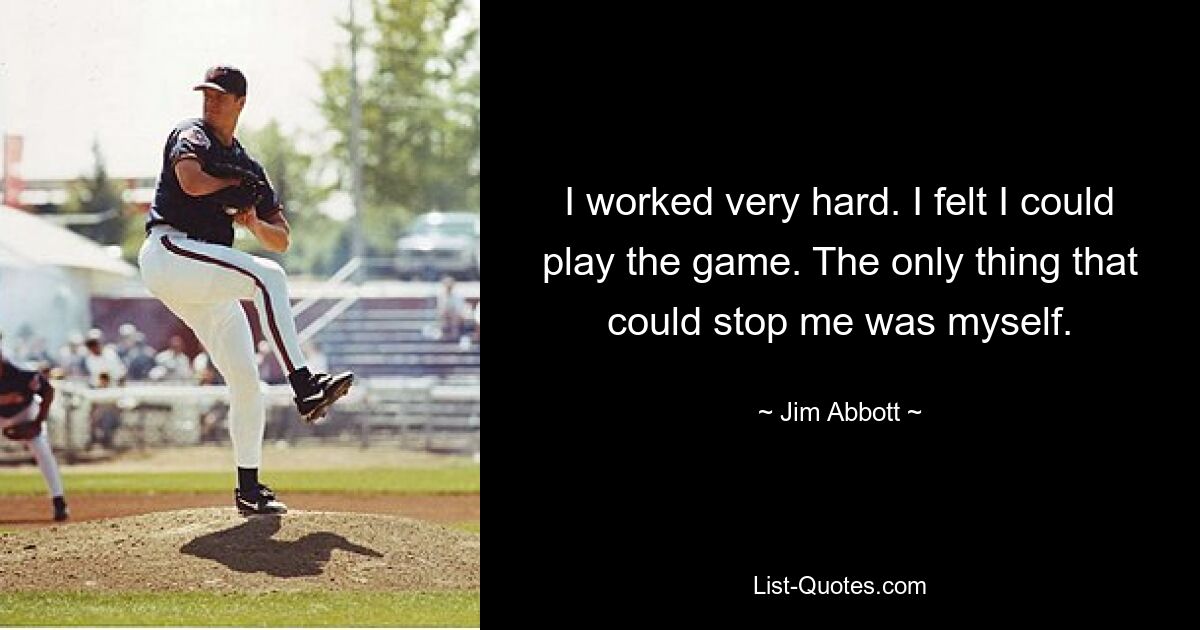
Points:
x=17, y=388
x=202, y=218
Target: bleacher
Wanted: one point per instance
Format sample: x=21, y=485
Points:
x=377, y=338
x=423, y=391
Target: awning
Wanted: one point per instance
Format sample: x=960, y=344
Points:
x=26, y=239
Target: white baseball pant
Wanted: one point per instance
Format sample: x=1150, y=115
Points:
x=39, y=446
x=202, y=284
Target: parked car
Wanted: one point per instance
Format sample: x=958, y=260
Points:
x=438, y=244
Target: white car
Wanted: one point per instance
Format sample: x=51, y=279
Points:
x=438, y=244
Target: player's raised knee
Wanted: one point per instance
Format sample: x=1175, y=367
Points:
x=271, y=266
x=271, y=271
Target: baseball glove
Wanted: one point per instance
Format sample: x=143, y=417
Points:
x=231, y=171
x=23, y=431
x=239, y=198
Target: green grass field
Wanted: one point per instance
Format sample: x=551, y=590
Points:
x=456, y=480
x=273, y=609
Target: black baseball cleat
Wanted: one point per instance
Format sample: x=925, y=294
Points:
x=317, y=392
x=61, y=513
x=262, y=502
x=266, y=492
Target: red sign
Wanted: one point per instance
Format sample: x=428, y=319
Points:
x=13, y=185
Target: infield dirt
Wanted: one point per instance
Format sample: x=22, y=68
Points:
x=215, y=549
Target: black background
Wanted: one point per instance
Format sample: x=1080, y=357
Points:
x=637, y=483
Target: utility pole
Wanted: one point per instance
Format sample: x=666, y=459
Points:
x=359, y=248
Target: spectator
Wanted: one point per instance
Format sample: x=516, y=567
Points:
x=173, y=364
x=213, y=423
x=104, y=419
x=268, y=368
x=206, y=372
x=135, y=353
x=101, y=359
x=140, y=358
x=214, y=419
x=450, y=307
x=71, y=358
x=125, y=340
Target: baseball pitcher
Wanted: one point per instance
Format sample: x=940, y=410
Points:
x=209, y=182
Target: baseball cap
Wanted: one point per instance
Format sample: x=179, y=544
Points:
x=225, y=79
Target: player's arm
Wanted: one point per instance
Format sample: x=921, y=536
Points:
x=42, y=386
x=273, y=232
x=195, y=182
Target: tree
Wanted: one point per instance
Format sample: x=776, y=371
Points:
x=316, y=237
x=420, y=114
x=100, y=197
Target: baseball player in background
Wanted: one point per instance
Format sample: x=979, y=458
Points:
x=25, y=399
x=207, y=184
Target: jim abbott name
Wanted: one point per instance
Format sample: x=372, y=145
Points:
x=844, y=412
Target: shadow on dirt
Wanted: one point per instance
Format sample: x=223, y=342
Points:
x=249, y=548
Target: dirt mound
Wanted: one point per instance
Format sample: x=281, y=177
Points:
x=35, y=511
x=215, y=549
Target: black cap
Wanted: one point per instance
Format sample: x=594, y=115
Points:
x=224, y=78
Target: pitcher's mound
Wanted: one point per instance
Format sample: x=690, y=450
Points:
x=217, y=549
